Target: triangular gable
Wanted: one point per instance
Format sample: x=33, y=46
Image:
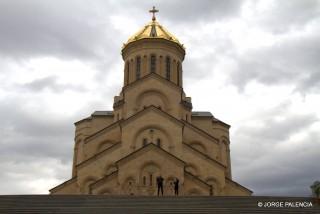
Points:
x=196, y=179
x=206, y=157
x=104, y=179
x=228, y=180
x=152, y=109
x=158, y=111
x=99, y=154
x=67, y=182
x=149, y=147
x=180, y=122
x=151, y=76
x=102, y=131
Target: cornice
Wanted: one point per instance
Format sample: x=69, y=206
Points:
x=205, y=156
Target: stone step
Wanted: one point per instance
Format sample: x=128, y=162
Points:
x=122, y=204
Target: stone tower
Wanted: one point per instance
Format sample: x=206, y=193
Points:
x=151, y=131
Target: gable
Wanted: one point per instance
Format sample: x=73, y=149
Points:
x=151, y=124
x=153, y=90
x=149, y=160
x=148, y=77
x=152, y=110
x=150, y=148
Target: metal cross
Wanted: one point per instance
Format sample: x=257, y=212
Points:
x=153, y=11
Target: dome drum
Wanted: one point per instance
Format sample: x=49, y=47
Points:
x=157, y=46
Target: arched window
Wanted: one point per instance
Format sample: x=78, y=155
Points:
x=138, y=67
x=144, y=142
x=153, y=64
x=128, y=69
x=158, y=142
x=150, y=177
x=178, y=73
x=168, y=66
x=144, y=180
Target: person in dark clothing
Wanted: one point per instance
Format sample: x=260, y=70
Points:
x=176, y=186
x=160, y=184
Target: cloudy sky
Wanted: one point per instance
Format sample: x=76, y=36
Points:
x=253, y=64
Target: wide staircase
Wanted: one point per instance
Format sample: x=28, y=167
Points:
x=96, y=204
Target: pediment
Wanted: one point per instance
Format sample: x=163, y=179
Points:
x=196, y=186
x=152, y=110
x=150, y=150
x=152, y=76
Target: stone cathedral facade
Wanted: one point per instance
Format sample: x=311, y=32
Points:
x=151, y=131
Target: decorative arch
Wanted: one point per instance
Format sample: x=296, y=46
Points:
x=150, y=166
x=158, y=132
x=224, y=139
x=199, y=146
x=110, y=168
x=85, y=185
x=148, y=173
x=104, y=145
x=129, y=186
x=214, y=184
x=192, y=169
x=152, y=97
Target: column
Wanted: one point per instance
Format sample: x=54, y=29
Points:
x=160, y=66
x=144, y=65
x=131, y=71
x=180, y=76
x=173, y=72
x=125, y=74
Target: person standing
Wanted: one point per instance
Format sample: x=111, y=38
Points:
x=160, y=184
x=176, y=186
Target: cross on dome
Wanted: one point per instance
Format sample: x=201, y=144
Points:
x=153, y=11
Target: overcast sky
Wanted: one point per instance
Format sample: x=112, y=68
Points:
x=253, y=64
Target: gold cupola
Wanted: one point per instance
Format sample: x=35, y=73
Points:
x=153, y=50
x=153, y=30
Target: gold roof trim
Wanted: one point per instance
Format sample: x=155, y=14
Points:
x=153, y=30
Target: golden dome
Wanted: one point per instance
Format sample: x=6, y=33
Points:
x=153, y=30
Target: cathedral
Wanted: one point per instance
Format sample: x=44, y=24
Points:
x=152, y=131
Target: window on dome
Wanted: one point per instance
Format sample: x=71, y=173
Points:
x=153, y=64
x=150, y=179
x=144, y=180
x=144, y=142
x=168, y=64
x=178, y=77
x=138, y=67
x=127, y=72
x=158, y=142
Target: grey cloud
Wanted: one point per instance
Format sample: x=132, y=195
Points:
x=46, y=28
x=29, y=176
x=275, y=131
x=29, y=133
x=292, y=62
x=50, y=82
x=284, y=16
x=182, y=11
x=268, y=160
x=287, y=171
x=193, y=11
